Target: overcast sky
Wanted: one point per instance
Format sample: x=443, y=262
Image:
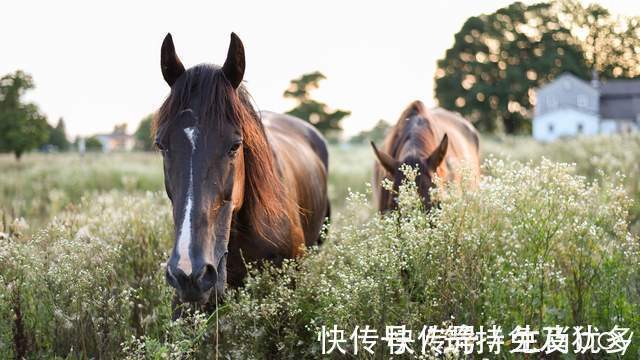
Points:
x=98, y=63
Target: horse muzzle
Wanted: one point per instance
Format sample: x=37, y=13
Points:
x=198, y=286
x=194, y=287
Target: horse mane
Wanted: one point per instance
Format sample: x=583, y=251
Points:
x=423, y=142
x=264, y=191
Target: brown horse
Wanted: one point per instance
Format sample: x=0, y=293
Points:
x=244, y=186
x=436, y=141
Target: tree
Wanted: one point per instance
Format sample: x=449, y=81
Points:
x=314, y=112
x=497, y=60
x=143, y=134
x=93, y=144
x=611, y=44
x=375, y=134
x=22, y=126
x=58, y=136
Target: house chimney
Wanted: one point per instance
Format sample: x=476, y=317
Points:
x=595, y=82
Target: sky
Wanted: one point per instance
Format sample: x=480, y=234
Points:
x=97, y=64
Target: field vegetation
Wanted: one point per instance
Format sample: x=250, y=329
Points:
x=549, y=238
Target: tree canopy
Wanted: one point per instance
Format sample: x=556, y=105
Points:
x=58, y=136
x=375, y=134
x=497, y=60
x=611, y=44
x=22, y=126
x=143, y=134
x=93, y=144
x=317, y=113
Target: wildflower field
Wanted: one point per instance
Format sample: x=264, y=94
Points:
x=549, y=238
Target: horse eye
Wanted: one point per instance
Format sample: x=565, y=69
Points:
x=234, y=148
x=160, y=146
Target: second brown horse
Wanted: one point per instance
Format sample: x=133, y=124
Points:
x=437, y=141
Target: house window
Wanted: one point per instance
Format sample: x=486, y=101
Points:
x=552, y=103
x=582, y=101
x=550, y=127
x=580, y=128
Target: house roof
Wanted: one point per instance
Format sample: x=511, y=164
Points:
x=620, y=99
x=556, y=83
x=626, y=87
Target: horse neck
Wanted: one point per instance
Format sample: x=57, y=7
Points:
x=245, y=225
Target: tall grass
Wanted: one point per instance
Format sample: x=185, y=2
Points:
x=535, y=245
x=603, y=158
x=41, y=185
x=86, y=281
x=350, y=168
x=539, y=243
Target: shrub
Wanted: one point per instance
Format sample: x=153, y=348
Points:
x=534, y=245
x=598, y=158
x=539, y=243
x=89, y=280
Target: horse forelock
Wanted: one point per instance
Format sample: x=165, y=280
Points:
x=413, y=134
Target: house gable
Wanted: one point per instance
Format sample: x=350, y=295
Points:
x=567, y=91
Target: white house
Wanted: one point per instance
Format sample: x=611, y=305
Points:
x=569, y=106
x=118, y=140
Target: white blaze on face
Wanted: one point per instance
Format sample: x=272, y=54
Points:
x=184, y=238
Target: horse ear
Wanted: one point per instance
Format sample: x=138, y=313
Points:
x=233, y=67
x=388, y=163
x=435, y=159
x=171, y=66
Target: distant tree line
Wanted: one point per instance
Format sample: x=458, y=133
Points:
x=143, y=134
x=58, y=136
x=23, y=127
x=376, y=134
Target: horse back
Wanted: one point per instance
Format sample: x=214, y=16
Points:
x=464, y=142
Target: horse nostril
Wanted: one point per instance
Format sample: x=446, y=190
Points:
x=207, y=277
x=171, y=279
x=195, y=286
